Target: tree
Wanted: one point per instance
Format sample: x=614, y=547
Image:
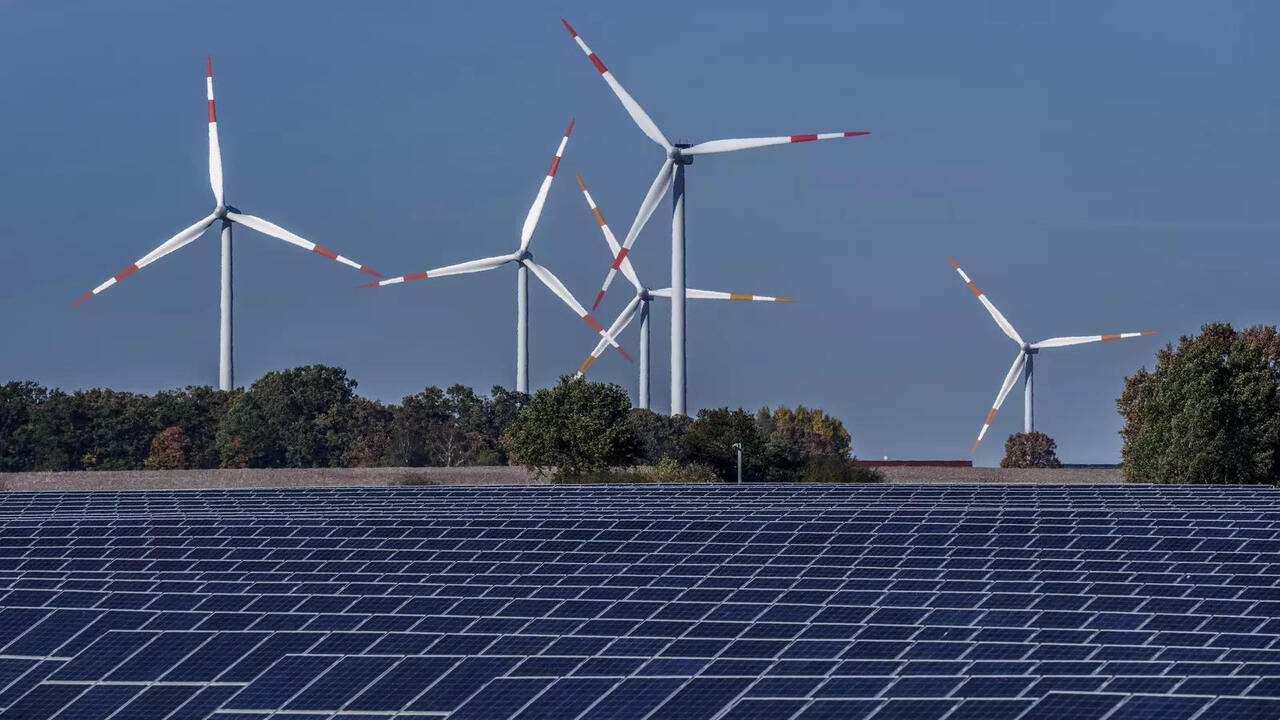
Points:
x=811, y=430
x=807, y=445
x=466, y=438
x=453, y=427
x=1030, y=450
x=54, y=437
x=362, y=428
x=709, y=441
x=505, y=407
x=414, y=425
x=287, y=419
x=18, y=401
x=1208, y=413
x=115, y=430
x=660, y=436
x=575, y=428
x=170, y=450
x=197, y=410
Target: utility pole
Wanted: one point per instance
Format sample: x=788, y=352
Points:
x=738, y=447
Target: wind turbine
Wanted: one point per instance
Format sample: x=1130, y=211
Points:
x=640, y=303
x=228, y=215
x=524, y=265
x=1025, y=360
x=677, y=156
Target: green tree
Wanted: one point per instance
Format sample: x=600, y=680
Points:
x=118, y=431
x=18, y=401
x=453, y=427
x=1208, y=413
x=363, y=429
x=505, y=407
x=467, y=437
x=709, y=441
x=413, y=427
x=56, y=435
x=574, y=429
x=660, y=436
x=286, y=419
x=1030, y=450
x=810, y=430
x=807, y=445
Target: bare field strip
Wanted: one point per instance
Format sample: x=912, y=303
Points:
x=335, y=477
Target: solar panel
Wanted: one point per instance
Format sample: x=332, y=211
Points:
x=881, y=601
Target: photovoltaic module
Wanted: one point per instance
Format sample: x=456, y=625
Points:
x=909, y=602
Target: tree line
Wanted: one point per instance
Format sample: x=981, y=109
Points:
x=311, y=416
x=579, y=430
x=298, y=418
x=1208, y=412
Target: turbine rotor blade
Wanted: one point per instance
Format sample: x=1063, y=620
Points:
x=269, y=228
x=1081, y=339
x=535, y=210
x=1004, y=324
x=641, y=118
x=651, y=199
x=215, y=150
x=471, y=266
x=717, y=295
x=620, y=324
x=553, y=283
x=614, y=247
x=186, y=236
x=1009, y=380
x=716, y=146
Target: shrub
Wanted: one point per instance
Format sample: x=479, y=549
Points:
x=838, y=470
x=1030, y=450
x=668, y=470
x=575, y=429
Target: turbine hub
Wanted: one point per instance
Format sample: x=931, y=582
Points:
x=681, y=158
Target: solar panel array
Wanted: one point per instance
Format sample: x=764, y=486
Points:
x=927, y=602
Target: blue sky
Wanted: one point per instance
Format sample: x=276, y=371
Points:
x=1095, y=167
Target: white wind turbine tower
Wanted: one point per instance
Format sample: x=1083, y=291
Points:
x=524, y=265
x=227, y=215
x=1024, y=362
x=640, y=303
x=672, y=173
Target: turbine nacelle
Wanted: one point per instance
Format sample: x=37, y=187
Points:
x=679, y=157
